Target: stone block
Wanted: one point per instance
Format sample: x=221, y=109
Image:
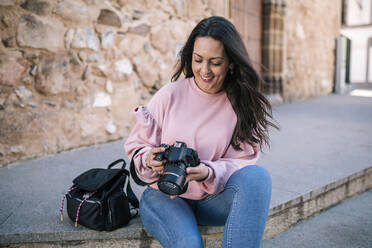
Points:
x=101, y=99
x=179, y=6
x=35, y=33
x=39, y=7
x=181, y=32
x=9, y=41
x=109, y=17
x=114, y=243
x=123, y=66
x=23, y=93
x=73, y=10
x=7, y=3
x=58, y=74
x=94, y=57
x=109, y=87
x=32, y=104
x=212, y=242
x=132, y=45
x=140, y=29
x=147, y=74
x=85, y=37
x=110, y=128
x=69, y=36
x=50, y=103
x=10, y=70
x=160, y=38
x=107, y=39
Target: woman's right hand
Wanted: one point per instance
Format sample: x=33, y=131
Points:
x=157, y=166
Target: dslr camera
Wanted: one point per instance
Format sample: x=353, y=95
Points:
x=177, y=158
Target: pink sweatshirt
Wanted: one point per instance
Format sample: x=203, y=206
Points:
x=180, y=111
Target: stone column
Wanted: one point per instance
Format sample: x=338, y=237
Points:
x=273, y=46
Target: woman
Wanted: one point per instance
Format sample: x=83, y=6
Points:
x=218, y=111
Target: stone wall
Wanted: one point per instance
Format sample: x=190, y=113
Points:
x=71, y=71
x=311, y=28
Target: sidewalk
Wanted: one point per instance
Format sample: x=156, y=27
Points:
x=320, y=141
x=322, y=155
x=347, y=225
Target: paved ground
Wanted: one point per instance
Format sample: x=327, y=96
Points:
x=321, y=140
x=347, y=225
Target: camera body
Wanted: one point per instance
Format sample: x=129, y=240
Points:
x=177, y=158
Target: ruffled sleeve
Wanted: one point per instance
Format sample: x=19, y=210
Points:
x=146, y=133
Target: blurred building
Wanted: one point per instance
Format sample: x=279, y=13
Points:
x=357, y=29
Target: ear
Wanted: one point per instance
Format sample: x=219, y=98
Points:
x=231, y=66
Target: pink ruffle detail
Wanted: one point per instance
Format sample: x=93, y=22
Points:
x=149, y=125
x=143, y=116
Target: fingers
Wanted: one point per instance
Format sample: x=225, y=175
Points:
x=193, y=170
x=157, y=166
x=157, y=149
x=193, y=177
x=198, y=173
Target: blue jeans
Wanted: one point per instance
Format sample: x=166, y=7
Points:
x=242, y=207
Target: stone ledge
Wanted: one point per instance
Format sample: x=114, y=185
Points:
x=134, y=230
x=281, y=218
x=284, y=216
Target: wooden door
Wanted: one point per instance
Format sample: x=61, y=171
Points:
x=246, y=15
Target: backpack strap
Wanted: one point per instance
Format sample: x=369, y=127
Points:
x=116, y=162
x=133, y=172
x=132, y=198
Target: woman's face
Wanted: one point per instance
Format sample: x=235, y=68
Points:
x=209, y=64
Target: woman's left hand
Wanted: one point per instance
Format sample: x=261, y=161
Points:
x=198, y=173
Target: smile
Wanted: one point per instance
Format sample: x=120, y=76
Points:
x=206, y=79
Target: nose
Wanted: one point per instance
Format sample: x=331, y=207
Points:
x=205, y=69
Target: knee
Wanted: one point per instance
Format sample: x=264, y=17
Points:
x=252, y=176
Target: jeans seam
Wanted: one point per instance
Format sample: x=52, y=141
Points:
x=231, y=216
x=212, y=196
x=208, y=198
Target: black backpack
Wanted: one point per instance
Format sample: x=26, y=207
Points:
x=97, y=199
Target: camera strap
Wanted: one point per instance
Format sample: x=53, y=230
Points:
x=133, y=172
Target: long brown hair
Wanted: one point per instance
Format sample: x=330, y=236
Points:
x=242, y=83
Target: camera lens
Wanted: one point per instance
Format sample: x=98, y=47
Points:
x=169, y=188
x=173, y=179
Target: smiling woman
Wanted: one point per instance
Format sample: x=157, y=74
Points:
x=210, y=64
x=219, y=112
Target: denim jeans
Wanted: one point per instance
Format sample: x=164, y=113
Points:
x=242, y=207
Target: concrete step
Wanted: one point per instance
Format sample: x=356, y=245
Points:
x=321, y=156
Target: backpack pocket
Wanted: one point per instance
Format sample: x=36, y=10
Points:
x=87, y=212
x=118, y=211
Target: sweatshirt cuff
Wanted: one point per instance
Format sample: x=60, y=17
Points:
x=210, y=175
